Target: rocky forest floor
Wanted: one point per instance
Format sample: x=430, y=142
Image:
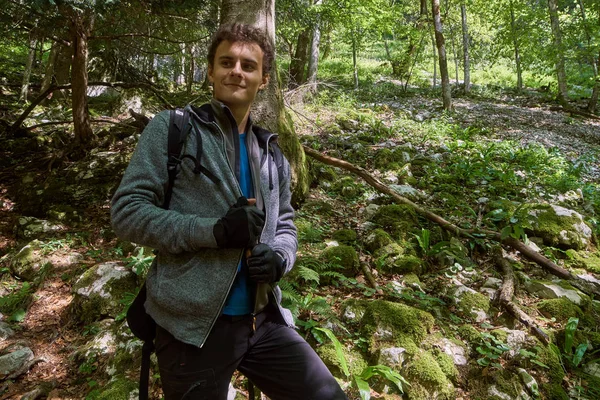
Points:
x=356, y=250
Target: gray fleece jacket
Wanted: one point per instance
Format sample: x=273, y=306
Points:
x=190, y=278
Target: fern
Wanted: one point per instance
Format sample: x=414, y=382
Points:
x=308, y=274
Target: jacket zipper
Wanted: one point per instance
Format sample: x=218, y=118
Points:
x=219, y=310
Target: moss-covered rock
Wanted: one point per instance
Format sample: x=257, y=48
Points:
x=99, y=291
x=585, y=260
x=561, y=309
x=377, y=239
x=395, y=323
x=411, y=279
x=557, y=226
x=386, y=159
x=355, y=361
x=397, y=219
x=345, y=236
x=559, y=289
x=427, y=379
x=469, y=334
x=119, y=388
x=408, y=264
x=473, y=304
x=348, y=188
x=344, y=257
x=553, y=391
x=446, y=364
x=29, y=261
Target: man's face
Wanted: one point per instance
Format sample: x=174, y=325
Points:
x=236, y=73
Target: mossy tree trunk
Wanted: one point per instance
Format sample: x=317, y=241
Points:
x=562, y=95
x=515, y=37
x=298, y=62
x=441, y=48
x=28, y=67
x=269, y=110
x=465, y=37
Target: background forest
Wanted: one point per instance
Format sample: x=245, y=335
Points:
x=446, y=181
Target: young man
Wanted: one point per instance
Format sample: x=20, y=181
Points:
x=212, y=288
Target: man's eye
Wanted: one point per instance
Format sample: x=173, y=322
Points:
x=226, y=64
x=249, y=67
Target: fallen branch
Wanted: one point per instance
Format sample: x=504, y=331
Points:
x=524, y=249
x=573, y=111
x=505, y=299
x=369, y=277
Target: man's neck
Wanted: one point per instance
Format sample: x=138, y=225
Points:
x=241, y=118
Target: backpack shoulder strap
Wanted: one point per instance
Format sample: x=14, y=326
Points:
x=278, y=157
x=178, y=131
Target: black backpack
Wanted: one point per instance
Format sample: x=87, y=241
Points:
x=141, y=324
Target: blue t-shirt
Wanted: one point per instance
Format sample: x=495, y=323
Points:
x=239, y=299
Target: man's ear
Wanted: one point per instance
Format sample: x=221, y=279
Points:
x=265, y=82
x=211, y=79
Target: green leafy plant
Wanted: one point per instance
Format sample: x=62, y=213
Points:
x=140, y=262
x=573, y=357
x=533, y=356
x=15, y=303
x=491, y=349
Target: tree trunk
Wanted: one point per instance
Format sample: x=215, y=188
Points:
x=561, y=75
x=49, y=70
x=28, y=67
x=465, y=36
x=269, y=110
x=62, y=69
x=594, y=99
x=513, y=29
x=435, y=62
x=455, y=61
x=313, y=59
x=298, y=62
x=82, y=24
x=423, y=8
x=439, y=41
x=189, y=67
x=354, y=62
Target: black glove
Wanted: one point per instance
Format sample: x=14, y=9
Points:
x=265, y=265
x=241, y=226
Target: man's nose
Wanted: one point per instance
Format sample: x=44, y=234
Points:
x=237, y=69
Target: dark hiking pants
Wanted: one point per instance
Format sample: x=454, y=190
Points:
x=274, y=357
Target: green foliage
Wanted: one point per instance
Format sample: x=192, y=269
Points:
x=575, y=356
x=15, y=303
x=140, y=262
x=491, y=349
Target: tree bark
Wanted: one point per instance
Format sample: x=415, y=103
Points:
x=28, y=67
x=49, y=70
x=465, y=37
x=81, y=26
x=269, y=110
x=62, y=69
x=298, y=62
x=441, y=47
x=189, y=67
x=354, y=64
x=561, y=75
x=515, y=37
x=594, y=98
x=313, y=59
x=435, y=62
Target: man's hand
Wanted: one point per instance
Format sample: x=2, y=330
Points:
x=241, y=226
x=265, y=265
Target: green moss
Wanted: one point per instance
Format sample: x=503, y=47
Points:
x=426, y=372
x=342, y=256
x=446, y=364
x=500, y=334
x=377, y=239
x=508, y=383
x=468, y=333
x=561, y=309
x=345, y=236
x=474, y=301
x=348, y=188
x=408, y=264
x=555, y=370
x=541, y=220
x=404, y=323
x=292, y=148
x=398, y=220
x=354, y=360
x=117, y=389
x=411, y=279
x=553, y=391
x=585, y=260
x=386, y=159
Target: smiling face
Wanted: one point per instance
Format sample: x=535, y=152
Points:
x=236, y=74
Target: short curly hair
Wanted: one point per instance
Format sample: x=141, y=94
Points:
x=238, y=32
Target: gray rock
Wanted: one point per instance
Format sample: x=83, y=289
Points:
x=98, y=291
x=592, y=368
x=455, y=351
x=28, y=262
x=16, y=362
x=31, y=228
x=530, y=383
x=5, y=331
x=493, y=283
x=550, y=290
x=409, y=192
x=393, y=357
x=494, y=391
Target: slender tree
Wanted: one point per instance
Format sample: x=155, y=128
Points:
x=516, y=45
x=27, y=74
x=561, y=75
x=465, y=42
x=313, y=59
x=441, y=48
